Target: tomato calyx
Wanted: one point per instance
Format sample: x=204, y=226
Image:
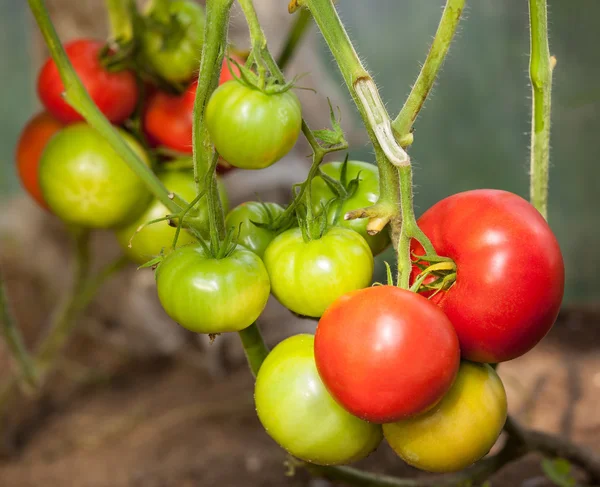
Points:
x=436, y=274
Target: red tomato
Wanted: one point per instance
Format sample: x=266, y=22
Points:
x=168, y=118
x=510, y=272
x=115, y=94
x=385, y=353
x=32, y=142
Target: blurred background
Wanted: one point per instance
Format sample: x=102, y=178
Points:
x=159, y=419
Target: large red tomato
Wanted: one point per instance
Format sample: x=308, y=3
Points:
x=168, y=118
x=32, y=142
x=385, y=353
x=510, y=272
x=115, y=94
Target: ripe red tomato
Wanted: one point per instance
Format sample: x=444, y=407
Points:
x=115, y=94
x=168, y=118
x=32, y=142
x=510, y=272
x=385, y=353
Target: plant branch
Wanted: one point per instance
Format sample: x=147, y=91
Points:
x=119, y=16
x=403, y=123
x=540, y=71
x=14, y=339
x=299, y=28
x=77, y=97
x=254, y=347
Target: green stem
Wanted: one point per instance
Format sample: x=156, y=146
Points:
x=299, y=28
x=119, y=16
x=14, y=339
x=77, y=96
x=403, y=123
x=213, y=52
x=254, y=347
x=540, y=71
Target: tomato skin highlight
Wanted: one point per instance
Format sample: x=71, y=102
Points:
x=208, y=295
x=385, y=353
x=115, y=94
x=168, y=118
x=148, y=242
x=250, y=236
x=366, y=195
x=296, y=410
x=252, y=129
x=306, y=277
x=510, y=272
x=86, y=183
x=32, y=142
x=460, y=429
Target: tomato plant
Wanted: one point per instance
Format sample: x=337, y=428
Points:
x=364, y=193
x=401, y=349
x=307, y=276
x=32, y=142
x=114, y=93
x=85, y=182
x=252, y=129
x=168, y=118
x=209, y=295
x=475, y=406
x=174, y=56
x=244, y=217
x=298, y=413
x=143, y=245
x=510, y=272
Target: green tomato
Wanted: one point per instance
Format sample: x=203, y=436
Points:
x=306, y=277
x=147, y=243
x=208, y=295
x=176, y=57
x=251, y=129
x=460, y=429
x=365, y=195
x=86, y=183
x=252, y=237
x=296, y=410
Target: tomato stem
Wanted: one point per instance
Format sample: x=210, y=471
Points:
x=77, y=97
x=294, y=37
x=402, y=124
x=254, y=347
x=120, y=19
x=540, y=71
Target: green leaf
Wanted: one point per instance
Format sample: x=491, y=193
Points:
x=558, y=472
x=333, y=136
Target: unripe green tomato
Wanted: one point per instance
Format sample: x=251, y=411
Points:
x=366, y=195
x=147, y=243
x=209, y=295
x=253, y=237
x=306, y=277
x=252, y=129
x=296, y=410
x=86, y=183
x=176, y=59
x=460, y=429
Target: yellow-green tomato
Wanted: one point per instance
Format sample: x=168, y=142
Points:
x=209, y=295
x=151, y=239
x=252, y=129
x=307, y=276
x=460, y=429
x=251, y=236
x=366, y=194
x=86, y=183
x=296, y=410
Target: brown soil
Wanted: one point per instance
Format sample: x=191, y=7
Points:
x=165, y=423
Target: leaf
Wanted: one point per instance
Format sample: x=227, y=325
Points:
x=333, y=136
x=558, y=472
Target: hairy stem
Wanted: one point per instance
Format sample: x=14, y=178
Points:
x=402, y=125
x=254, y=347
x=299, y=28
x=213, y=52
x=540, y=71
x=14, y=339
x=77, y=97
x=119, y=17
